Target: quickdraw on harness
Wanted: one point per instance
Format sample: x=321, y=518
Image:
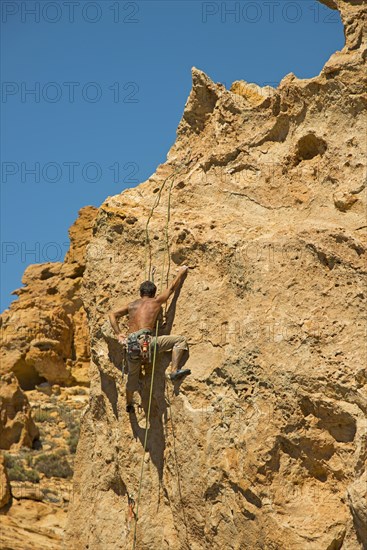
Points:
x=139, y=347
x=131, y=513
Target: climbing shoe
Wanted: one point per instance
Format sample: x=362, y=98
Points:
x=179, y=374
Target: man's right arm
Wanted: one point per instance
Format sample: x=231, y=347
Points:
x=114, y=315
x=163, y=297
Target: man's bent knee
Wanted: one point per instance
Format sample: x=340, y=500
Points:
x=181, y=344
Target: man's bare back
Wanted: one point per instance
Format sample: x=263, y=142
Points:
x=143, y=313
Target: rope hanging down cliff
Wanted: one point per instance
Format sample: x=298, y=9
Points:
x=148, y=274
x=148, y=249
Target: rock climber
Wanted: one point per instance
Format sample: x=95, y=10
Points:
x=142, y=315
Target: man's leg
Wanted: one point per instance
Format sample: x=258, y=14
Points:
x=129, y=397
x=177, y=354
x=132, y=384
x=178, y=345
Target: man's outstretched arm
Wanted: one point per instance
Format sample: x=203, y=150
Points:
x=163, y=297
x=115, y=315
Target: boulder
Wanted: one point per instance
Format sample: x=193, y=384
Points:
x=17, y=428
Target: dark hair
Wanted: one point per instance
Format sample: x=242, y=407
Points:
x=148, y=288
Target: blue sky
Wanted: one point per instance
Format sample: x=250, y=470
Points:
x=110, y=80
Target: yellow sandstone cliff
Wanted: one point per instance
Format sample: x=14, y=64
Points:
x=264, y=445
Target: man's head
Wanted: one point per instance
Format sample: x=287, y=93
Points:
x=148, y=288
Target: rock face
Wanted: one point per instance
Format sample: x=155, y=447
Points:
x=264, y=445
x=44, y=332
x=17, y=428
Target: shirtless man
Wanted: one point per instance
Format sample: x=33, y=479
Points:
x=143, y=315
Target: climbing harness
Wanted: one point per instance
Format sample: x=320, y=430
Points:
x=139, y=346
x=145, y=349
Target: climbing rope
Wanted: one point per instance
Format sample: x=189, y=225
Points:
x=148, y=248
x=166, y=251
x=147, y=418
x=166, y=233
x=148, y=272
x=177, y=468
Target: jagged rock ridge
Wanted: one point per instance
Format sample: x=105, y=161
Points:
x=264, y=445
x=44, y=336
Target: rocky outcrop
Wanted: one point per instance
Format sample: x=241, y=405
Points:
x=44, y=332
x=357, y=494
x=263, y=446
x=32, y=525
x=40, y=485
x=17, y=427
x=4, y=484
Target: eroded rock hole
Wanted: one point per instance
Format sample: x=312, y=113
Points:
x=308, y=147
x=52, y=290
x=46, y=274
x=27, y=376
